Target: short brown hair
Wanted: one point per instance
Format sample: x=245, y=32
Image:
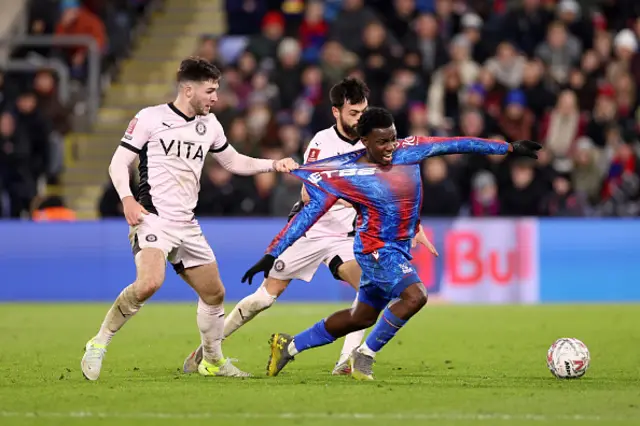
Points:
x=350, y=90
x=197, y=69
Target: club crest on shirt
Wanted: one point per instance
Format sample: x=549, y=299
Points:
x=314, y=153
x=132, y=125
x=201, y=129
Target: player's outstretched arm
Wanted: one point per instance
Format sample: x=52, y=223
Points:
x=414, y=149
x=240, y=164
x=304, y=196
x=319, y=203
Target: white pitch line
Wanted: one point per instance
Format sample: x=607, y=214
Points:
x=321, y=416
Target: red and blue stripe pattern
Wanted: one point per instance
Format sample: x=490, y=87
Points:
x=387, y=199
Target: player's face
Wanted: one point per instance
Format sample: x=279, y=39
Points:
x=348, y=116
x=204, y=95
x=381, y=144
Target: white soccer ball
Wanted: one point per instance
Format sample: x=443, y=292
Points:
x=568, y=358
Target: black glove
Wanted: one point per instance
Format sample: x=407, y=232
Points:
x=265, y=264
x=526, y=148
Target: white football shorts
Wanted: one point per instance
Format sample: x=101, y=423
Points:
x=183, y=243
x=302, y=259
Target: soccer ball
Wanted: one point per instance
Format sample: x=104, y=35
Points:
x=568, y=358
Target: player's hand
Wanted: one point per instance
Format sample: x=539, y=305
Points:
x=285, y=165
x=526, y=148
x=264, y=265
x=133, y=211
x=421, y=238
x=344, y=203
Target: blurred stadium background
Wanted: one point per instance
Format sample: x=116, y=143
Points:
x=563, y=72
x=564, y=230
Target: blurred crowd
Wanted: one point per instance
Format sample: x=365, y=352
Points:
x=33, y=118
x=557, y=72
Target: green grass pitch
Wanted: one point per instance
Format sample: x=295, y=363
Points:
x=451, y=365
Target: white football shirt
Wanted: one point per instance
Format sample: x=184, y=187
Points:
x=339, y=220
x=172, y=149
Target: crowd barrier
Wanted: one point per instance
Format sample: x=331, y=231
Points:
x=481, y=261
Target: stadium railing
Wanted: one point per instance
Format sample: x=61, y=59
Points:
x=56, y=65
x=93, y=60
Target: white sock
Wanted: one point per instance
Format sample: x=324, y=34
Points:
x=293, y=351
x=125, y=306
x=351, y=340
x=211, y=322
x=366, y=350
x=247, y=309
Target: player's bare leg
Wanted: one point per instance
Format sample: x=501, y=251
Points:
x=338, y=324
x=150, y=270
x=205, y=280
x=350, y=272
x=394, y=317
x=244, y=311
x=341, y=323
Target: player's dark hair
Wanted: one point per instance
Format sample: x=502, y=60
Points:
x=374, y=118
x=351, y=89
x=197, y=69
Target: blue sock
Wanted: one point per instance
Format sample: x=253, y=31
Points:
x=384, y=330
x=317, y=335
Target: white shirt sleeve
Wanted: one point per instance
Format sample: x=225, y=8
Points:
x=240, y=164
x=119, y=170
x=134, y=139
x=138, y=132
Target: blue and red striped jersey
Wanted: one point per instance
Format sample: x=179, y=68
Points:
x=387, y=199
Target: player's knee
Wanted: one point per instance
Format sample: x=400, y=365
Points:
x=214, y=297
x=416, y=301
x=147, y=287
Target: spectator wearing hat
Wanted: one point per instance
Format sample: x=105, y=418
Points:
x=577, y=23
x=474, y=98
x=76, y=19
x=264, y=45
x=484, y=201
x=516, y=121
x=627, y=60
x=471, y=25
x=287, y=71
